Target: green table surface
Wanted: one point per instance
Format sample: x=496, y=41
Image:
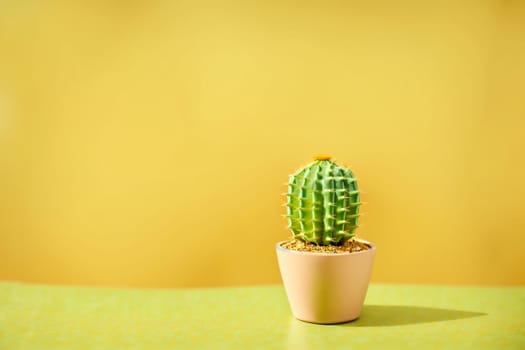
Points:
x=394, y=317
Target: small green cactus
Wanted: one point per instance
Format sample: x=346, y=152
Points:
x=323, y=203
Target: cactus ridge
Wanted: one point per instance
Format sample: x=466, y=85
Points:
x=322, y=203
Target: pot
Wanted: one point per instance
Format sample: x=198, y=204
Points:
x=323, y=287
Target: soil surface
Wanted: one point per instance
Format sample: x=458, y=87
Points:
x=350, y=246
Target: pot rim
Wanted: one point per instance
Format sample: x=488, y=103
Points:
x=372, y=249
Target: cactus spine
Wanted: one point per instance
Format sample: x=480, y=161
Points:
x=323, y=203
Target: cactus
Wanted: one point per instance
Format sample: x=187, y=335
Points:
x=323, y=202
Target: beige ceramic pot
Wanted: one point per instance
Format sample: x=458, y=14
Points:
x=323, y=287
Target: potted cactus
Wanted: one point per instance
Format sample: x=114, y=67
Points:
x=324, y=268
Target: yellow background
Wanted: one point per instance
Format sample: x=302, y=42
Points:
x=146, y=143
